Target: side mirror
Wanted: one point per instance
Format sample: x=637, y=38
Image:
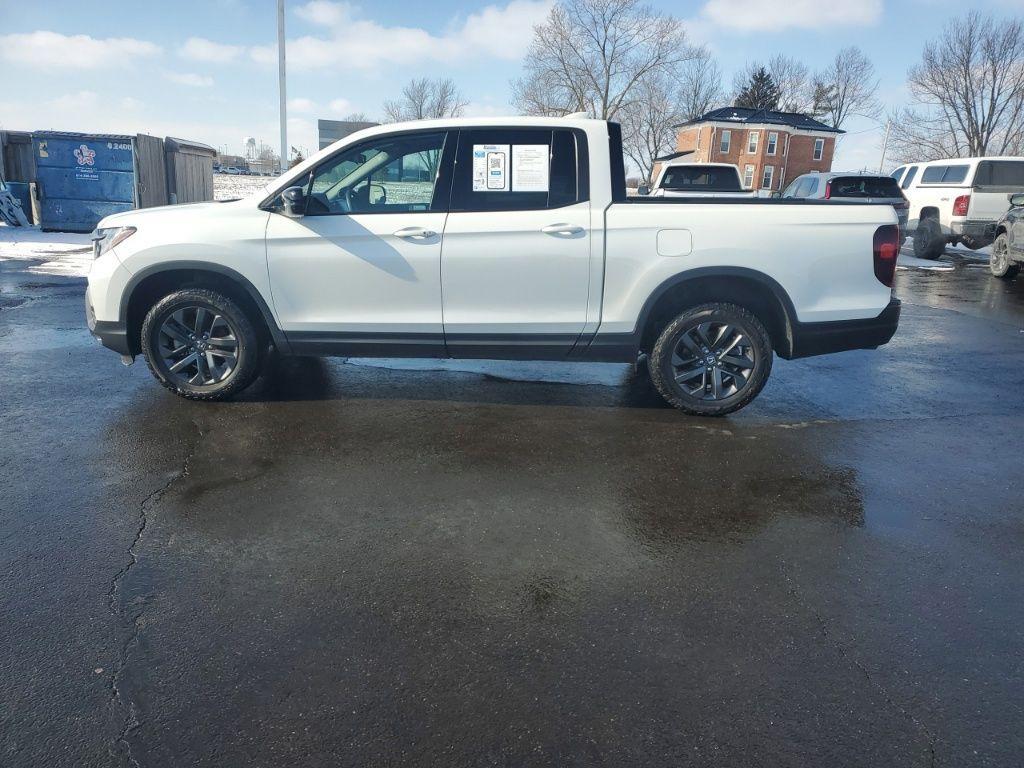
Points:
x=294, y=201
x=1017, y=199
x=643, y=189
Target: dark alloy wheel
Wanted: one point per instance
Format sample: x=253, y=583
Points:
x=711, y=360
x=999, y=262
x=200, y=344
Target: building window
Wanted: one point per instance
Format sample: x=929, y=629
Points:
x=725, y=141
x=819, y=148
x=752, y=142
x=767, y=176
x=773, y=142
x=748, y=177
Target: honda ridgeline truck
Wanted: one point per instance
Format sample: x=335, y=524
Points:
x=491, y=238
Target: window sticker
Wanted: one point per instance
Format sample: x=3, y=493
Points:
x=530, y=168
x=490, y=167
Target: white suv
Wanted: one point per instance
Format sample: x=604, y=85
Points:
x=958, y=201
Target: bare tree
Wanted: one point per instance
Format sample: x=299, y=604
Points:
x=791, y=77
x=589, y=55
x=424, y=99
x=848, y=86
x=700, y=86
x=968, y=92
x=649, y=120
x=357, y=117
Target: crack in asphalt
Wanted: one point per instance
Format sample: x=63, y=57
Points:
x=848, y=657
x=131, y=721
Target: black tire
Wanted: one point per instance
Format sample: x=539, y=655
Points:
x=929, y=242
x=699, y=400
x=999, y=262
x=241, y=330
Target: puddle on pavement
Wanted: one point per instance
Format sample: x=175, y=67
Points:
x=601, y=374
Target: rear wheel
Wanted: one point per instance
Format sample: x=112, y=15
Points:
x=200, y=344
x=999, y=261
x=929, y=242
x=711, y=360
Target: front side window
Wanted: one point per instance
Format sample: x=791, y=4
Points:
x=752, y=142
x=898, y=173
x=909, y=178
x=519, y=169
x=390, y=174
x=767, y=176
x=819, y=148
x=748, y=177
x=725, y=142
x=773, y=142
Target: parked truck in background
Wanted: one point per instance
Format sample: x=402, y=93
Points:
x=958, y=201
x=680, y=179
x=492, y=238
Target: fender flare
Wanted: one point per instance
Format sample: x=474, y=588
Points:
x=278, y=336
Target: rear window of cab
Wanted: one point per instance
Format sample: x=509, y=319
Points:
x=944, y=174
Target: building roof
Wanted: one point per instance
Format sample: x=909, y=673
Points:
x=762, y=116
x=673, y=155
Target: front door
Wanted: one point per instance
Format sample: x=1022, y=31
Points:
x=360, y=271
x=515, y=264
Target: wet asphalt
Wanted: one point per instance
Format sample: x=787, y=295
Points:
x=370, y=564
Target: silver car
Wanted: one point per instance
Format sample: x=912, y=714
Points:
x=851, y=188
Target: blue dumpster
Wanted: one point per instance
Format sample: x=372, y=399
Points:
x=83, y=177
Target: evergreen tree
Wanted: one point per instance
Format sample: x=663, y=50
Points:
x=760, y=93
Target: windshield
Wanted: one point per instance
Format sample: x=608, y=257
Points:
x=865, y=186
x=699, y=178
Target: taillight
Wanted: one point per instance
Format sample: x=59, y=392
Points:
x=961, y=204
x=886, y=251
x=828, y=190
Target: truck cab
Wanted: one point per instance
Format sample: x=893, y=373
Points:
x=680, y=179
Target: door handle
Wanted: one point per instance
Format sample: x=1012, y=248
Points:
x=411, y=232
x=562, y=229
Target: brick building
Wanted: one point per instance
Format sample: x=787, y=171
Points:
x=768, y=147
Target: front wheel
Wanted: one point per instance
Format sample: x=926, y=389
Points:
x=999, y=262
x=200, y=344
x=711, y=360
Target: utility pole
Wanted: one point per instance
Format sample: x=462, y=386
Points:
x=281, y=85
x=885, y=146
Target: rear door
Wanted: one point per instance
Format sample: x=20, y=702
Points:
x=515, y=263
x=994, y=182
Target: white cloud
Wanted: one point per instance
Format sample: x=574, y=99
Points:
x=301, y=105
x=349, y=40
x=341, y=106
x=190, y=79
x=201, y=49
x=52, y=49
x=770, y=16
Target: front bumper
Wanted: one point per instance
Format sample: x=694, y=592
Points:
x=840, y=335
x=112, y=335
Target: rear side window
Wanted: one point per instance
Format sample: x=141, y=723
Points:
x=502, y=169
x=865, y=186
x=1000, y=173
x=944, y=174
x=701, y=179
x=909, y=178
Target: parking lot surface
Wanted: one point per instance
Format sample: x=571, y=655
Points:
x=367, y=563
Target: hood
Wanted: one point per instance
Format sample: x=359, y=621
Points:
x=164, y=212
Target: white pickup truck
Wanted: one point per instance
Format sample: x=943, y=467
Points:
x=681, y=179
x=491, y=238
x=958, y=201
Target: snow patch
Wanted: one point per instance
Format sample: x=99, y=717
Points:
x=54, y=253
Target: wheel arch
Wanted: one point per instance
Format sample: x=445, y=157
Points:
x=755, y=291
x=153, y=283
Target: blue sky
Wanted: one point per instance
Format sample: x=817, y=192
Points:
x=206, y=69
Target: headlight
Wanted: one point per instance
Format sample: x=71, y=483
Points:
x=105, y=239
